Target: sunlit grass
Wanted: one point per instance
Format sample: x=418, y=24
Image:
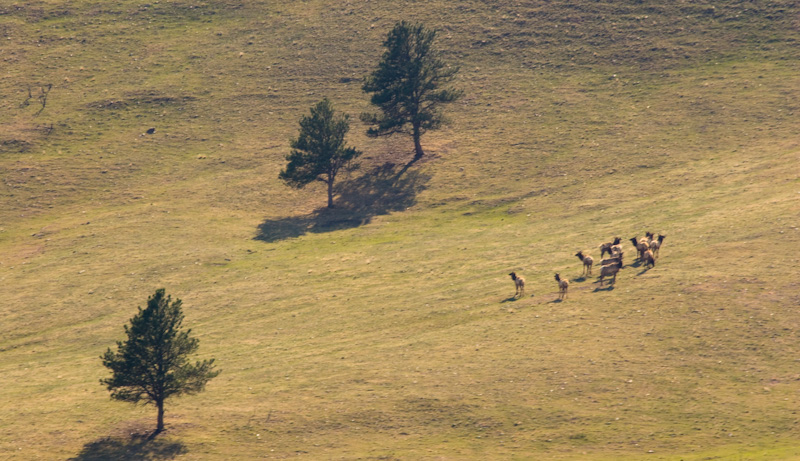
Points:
x=385, y=329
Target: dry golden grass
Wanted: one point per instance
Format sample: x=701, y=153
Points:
x=385, y=329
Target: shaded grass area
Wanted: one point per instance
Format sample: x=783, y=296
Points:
x=381, y=191
x=135, y=448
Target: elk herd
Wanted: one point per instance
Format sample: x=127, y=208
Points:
x=647, y=249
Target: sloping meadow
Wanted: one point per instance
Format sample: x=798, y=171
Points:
x=140, y=148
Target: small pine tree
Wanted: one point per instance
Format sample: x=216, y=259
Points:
x=152, y=364
x=319, y=152
x=409, y=85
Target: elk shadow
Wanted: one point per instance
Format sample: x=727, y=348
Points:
x=609, y=287
x=380, y=191
x=139, y=447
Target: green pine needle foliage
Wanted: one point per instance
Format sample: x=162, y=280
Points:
x=153, y=365
x=319, y=153
x=409, y=85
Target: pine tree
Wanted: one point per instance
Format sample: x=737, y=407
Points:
x=409, y=85
x=319, y=152
x=152, y=364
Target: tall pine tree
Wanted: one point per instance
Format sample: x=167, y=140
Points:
x=409, y=85
x=319, y=152
x=152, y=365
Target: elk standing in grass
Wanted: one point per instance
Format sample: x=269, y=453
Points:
x=519, y=283
x=606, y=247
x=610, y=271
x=587, y=262
x=563, y=286
x=649, y=259
x=614, y=260
x=655, y=245
x=641, y=246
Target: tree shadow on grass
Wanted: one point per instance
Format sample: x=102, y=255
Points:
x=381, y=191
x=136, y=448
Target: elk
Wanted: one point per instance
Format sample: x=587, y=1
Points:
x=587, y=262
x=610, y=271
x=648, y=258
x=606, y=247
x=640, y=245
x=613, y=260
x=655, y=245
x=519, y=284
x=563, y=286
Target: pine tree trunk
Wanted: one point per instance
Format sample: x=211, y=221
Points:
x=330, y=194
x=417, y=144
x=160, y=424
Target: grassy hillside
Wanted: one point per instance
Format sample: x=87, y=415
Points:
x=385, y=329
